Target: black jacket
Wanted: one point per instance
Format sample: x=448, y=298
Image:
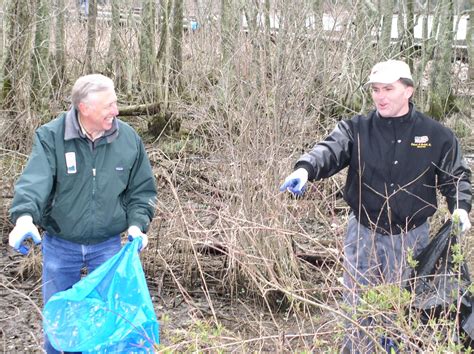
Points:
x=395, y=167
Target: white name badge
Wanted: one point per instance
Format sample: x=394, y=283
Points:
x=71, y=162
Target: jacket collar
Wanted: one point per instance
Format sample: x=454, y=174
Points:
x=72, y=129
x=405, y=119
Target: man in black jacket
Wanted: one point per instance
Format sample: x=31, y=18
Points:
x=397, y=158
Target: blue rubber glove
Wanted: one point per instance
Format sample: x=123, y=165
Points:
x=134, y=232
x=23, y=230
x=463, y=217
x=389, y=345
x=295, y=183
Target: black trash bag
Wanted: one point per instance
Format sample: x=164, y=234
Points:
x=439, y=283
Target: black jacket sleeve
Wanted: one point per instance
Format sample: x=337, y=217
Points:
x=454, y=178
x=330, y=155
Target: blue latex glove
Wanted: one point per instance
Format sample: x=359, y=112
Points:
x=23, y=230
x=463, y=217
x=134, y=232
x=389, y=345
x=295, y=183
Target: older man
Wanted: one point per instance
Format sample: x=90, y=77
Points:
x=397, y=158
x=88, y=179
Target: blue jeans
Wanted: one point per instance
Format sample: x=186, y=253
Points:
x=63, y=261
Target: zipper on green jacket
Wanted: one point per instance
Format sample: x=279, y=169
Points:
x=94, y=188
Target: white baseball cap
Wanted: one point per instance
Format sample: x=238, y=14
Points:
x=387, y=72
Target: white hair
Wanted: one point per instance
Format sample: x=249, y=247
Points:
x=89, y=84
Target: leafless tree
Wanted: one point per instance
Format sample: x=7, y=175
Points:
x=59, y=62
x=115, y=61
x=16, y=93
x=91, y=36
x=386, y=12
x=230, y=25
x=177, y=45
x=147, y=49
x=440, y=93
x=470, y=41
x=41, y=70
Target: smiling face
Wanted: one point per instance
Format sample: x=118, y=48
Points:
x=98, y=111
x=391, y=100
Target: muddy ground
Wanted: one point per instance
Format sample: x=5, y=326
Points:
x=188, y=320
x=185, y=324
x=20, y=301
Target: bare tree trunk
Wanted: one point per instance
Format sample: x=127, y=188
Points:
x=251, y=10
x=147, y=48
x=59, y=65
x=158, y=63
x=401, y=24
x=91, y=35
x=115, y=62
x=129, y=43
x=470, y=41
x=386, y=10
x=229, y=30
x=17, y=67
x=363, y=19
x=267, y=8
x=427, y=49
x=268, y=64
x=440, y=90
x=257, y=14
x=162, y=57
x=410, y=32
x=419, y=70
x=41, y=84
x=176, y=46
x=16, y=85
x=165, y=6
x=318, y=11
x=2, y=39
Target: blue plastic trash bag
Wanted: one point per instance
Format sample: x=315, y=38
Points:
x=108, y=311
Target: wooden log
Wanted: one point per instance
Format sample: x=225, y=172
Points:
x=212, y=249
x=138, y=110
x=323, y=258
x=141, y=109
x=319, y=258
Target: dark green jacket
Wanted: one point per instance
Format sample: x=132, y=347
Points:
x=85, y=191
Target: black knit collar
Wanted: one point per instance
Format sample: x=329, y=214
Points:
x=408, y=117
